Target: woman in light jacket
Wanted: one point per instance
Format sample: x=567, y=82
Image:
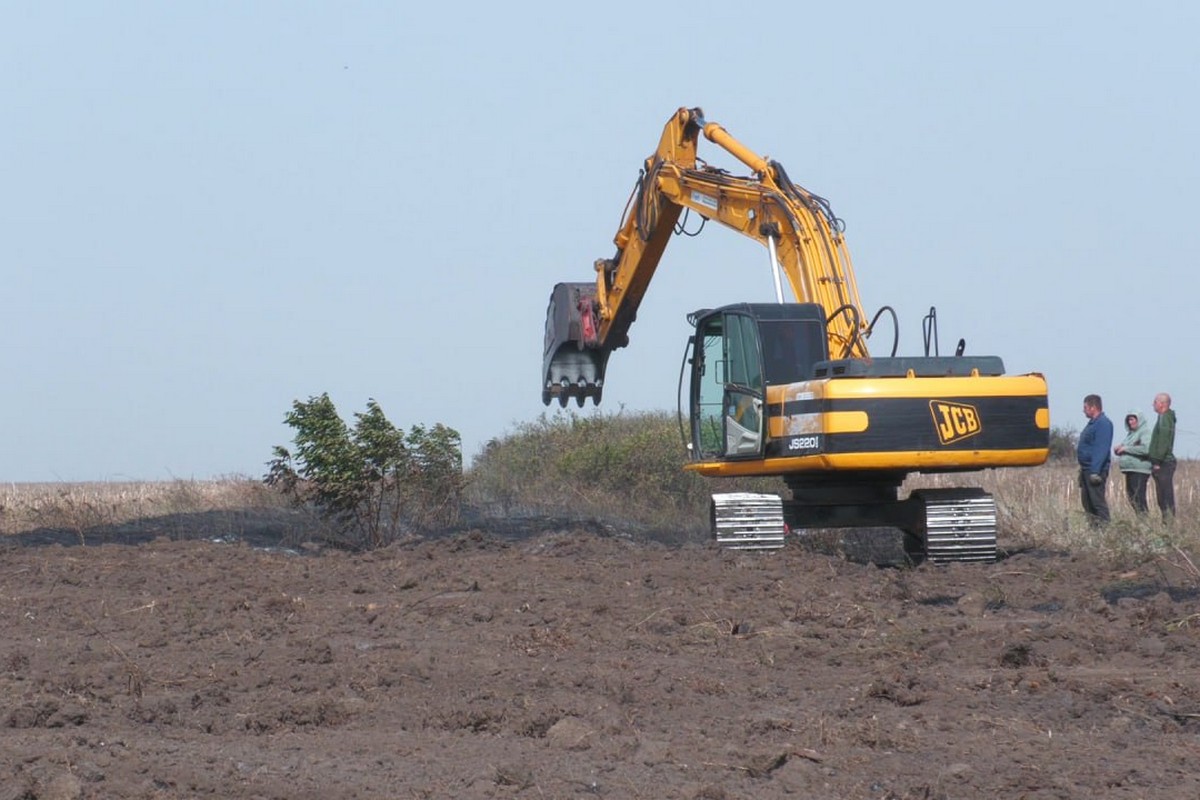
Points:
x=1133, y=457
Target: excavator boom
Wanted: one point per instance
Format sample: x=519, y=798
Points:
x=585, y=322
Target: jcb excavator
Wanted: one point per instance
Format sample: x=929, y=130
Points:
x=789, y=388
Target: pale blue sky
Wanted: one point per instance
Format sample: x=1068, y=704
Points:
x=213, y=209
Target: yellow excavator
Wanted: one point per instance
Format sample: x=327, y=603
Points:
x=789, y=388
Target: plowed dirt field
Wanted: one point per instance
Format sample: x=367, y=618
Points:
x=564, y=664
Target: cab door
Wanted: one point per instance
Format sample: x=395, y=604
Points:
x=727, y=388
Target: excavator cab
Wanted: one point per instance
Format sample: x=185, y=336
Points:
x=736, y=353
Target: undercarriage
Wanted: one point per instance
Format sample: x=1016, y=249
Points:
x=940, y=525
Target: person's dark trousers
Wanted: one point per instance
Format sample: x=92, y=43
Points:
x=1164, y=488
x=1135, y=490
x=1093, y=498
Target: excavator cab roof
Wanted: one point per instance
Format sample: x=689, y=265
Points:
x=791, y=337
x=769, y=311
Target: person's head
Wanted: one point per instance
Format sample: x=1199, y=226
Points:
x=1092, y=406
x=1162, y=401
x=1132, y=420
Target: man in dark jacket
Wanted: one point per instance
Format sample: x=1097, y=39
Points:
x=1162, y=456
x=1093, y=452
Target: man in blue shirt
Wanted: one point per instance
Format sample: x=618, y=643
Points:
x=1093, y=452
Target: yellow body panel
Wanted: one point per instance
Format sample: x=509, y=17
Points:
x=780, y=423
x=813, y=408
x=1030, y=385
x=913, y=461
x=846, y=421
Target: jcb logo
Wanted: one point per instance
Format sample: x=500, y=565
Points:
x=954, y=421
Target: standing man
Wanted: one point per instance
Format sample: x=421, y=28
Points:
x=1162, y=456
x=1134, y=460
x=1093, y=452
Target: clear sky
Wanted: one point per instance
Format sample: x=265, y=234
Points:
x=212, y=209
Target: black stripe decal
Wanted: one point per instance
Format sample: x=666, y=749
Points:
x=902, y=424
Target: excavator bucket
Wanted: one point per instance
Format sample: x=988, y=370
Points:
x=573, y=363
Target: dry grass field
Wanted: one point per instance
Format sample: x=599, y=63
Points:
x=1038, y=507
x=81, y=507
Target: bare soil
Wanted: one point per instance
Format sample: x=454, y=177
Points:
x=570, y=663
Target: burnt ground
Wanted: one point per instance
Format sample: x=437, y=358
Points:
x=159, y=662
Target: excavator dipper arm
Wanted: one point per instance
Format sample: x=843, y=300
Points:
x=585, y=322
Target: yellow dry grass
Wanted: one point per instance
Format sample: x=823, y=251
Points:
x=81, y=506
x=1037, y=507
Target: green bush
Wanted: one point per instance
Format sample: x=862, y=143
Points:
x=624, y=467
x=373, y=480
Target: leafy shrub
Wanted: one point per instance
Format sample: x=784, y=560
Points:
x=372, y=480
x=624, y=467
